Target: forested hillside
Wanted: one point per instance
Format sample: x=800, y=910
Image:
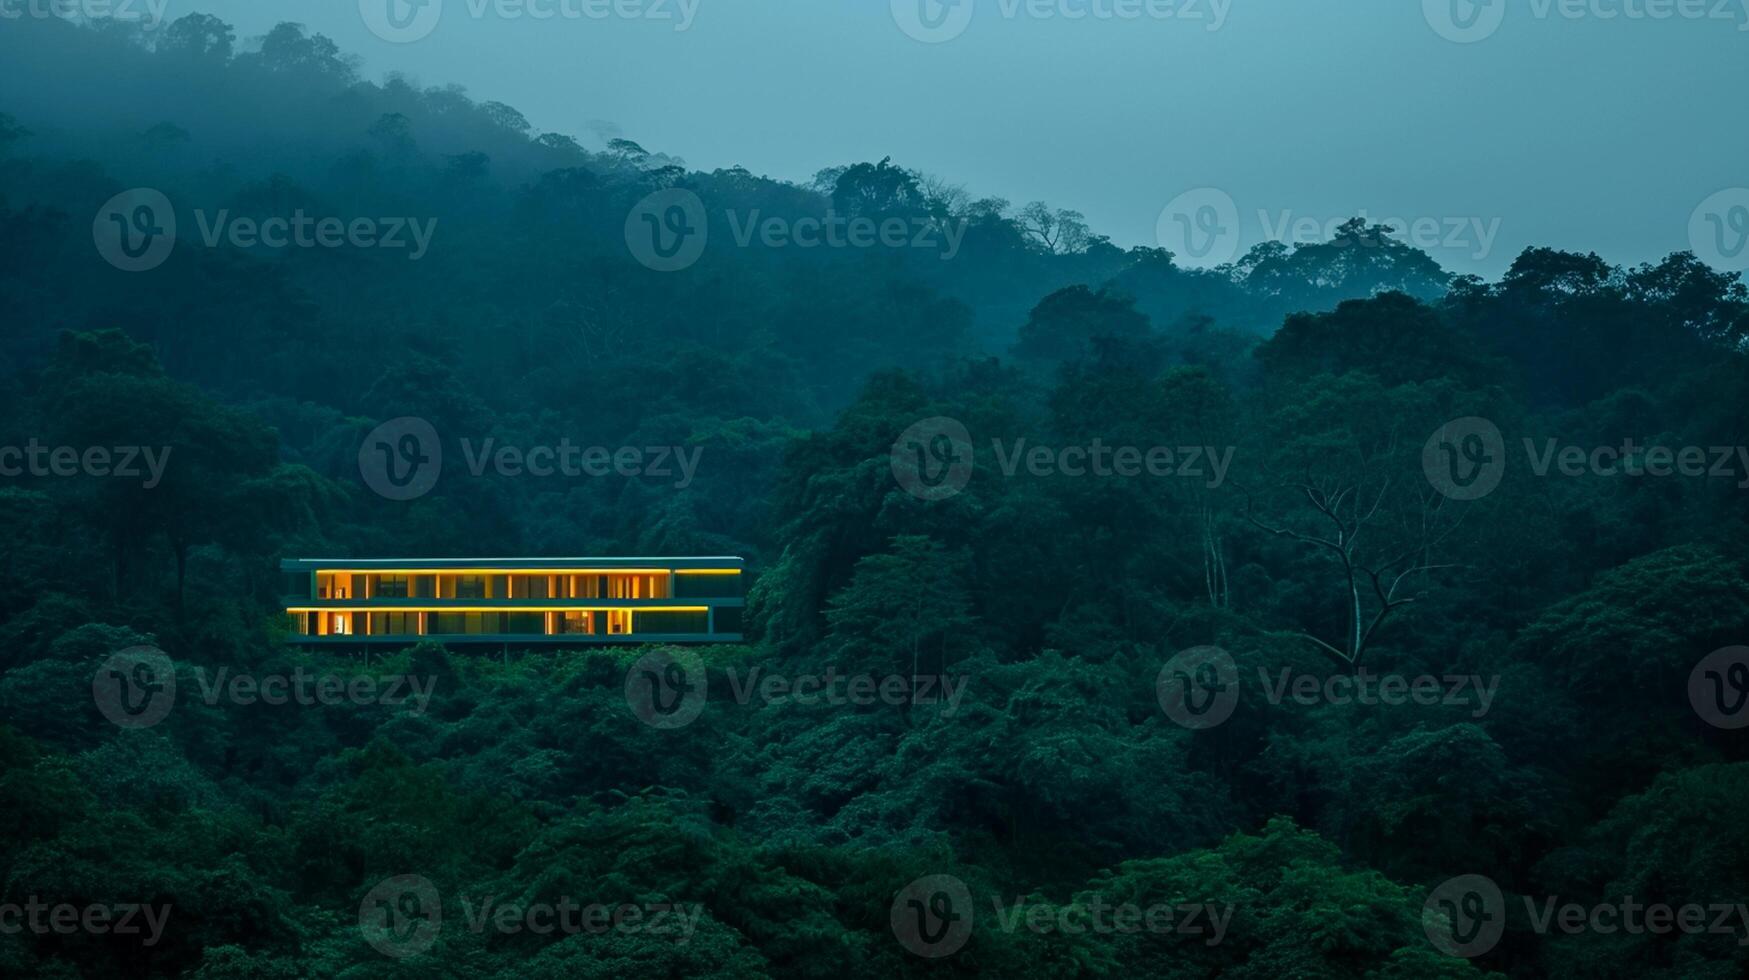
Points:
x=1273, y=465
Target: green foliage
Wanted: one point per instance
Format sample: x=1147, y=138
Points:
x=1042, y=605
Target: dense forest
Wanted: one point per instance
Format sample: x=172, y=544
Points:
x=1217, y=658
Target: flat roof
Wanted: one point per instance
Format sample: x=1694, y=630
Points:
x=504, y=564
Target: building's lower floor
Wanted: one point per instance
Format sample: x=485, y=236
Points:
x=716, y=623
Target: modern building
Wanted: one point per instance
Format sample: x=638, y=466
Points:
x=514, y=600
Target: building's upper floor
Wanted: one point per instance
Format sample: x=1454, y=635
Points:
x=510, y=581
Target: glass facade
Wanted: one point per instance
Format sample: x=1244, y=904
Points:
x=593, y=600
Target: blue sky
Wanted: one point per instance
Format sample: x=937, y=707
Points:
x=1582, y=124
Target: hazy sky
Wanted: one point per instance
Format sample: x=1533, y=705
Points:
x=1583, y=124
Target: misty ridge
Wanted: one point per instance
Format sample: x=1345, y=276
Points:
x=283, y=126
x=1317, y=613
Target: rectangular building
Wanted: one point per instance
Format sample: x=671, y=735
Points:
x=514, y=600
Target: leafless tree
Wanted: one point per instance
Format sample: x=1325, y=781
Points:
x=1214, y=561
x=1375, y=581
x=1059, y=231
